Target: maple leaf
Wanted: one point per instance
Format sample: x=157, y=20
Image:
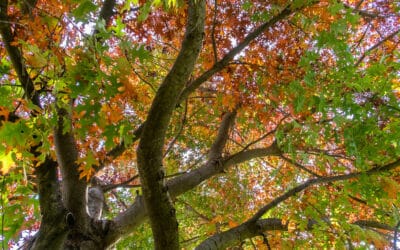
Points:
x=277, y=115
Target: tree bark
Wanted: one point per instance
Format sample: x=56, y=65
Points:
x=53, y=229
x=15, y=55
x=150, y=150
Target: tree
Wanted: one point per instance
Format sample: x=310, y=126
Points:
x=260, y=124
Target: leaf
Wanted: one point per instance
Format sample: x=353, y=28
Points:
x=144, y=11
x=87, y=163
x=83, y=9
x=335, y=7
x=15, y=134
x=232, y=223
x=36, y=60
x=390, y=186
x=6, y=162
x=5, y=66
x=292, y=226
x=299, y=103
x=119, y=28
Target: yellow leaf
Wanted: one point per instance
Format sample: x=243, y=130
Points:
x=390, y=186
x=6, y=162
x=217, y=218
x=36, y=60
x=292, y=226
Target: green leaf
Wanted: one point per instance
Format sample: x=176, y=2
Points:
x=335, y=8
x=309, y=79
x=247, y=5
x=14, y=134
x=5, y=66
x=144, y=11
x=83, y=9
x=118, y=28
x=299, y=103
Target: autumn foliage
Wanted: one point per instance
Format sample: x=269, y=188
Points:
x=258, y=124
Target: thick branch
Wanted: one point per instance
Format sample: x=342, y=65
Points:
x=214, y=165
x=73, y=188
x=214, y=44
x=107, y=11
x=161, y=211
x=292, y=192
x=127, y=221
x=373, y=224
x=222, y=240
x=222, y=136
x=218, y=66
x=249, y=230
x=192, y=179
x=15, y=55
x=240, y=233
x=53, y=229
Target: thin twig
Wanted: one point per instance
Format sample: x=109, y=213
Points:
x=298, y=165
x=376, y=46
x=362, y=37
x=183, y=122
x=191, y=208
x=144, y=80
x=109, y=187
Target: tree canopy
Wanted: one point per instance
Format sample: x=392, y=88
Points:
x=199, y=124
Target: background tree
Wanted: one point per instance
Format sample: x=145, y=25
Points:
x=258, y=124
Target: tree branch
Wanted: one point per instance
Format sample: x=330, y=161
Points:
x=374, y=224
x=240, y=233
x=121, y=147
x=363, y=13
x=128, y=220
x=249, y=230
x=298, y=165
x=390, y=36
x=218, y=66
x=109, y=187
x=180, y=130
x=15, y=55
x=250, y=227
x=214, y=44
x=161, y=211
x=193, y=210
x=107, y=11
x=53, y=228
x=28, y=6
x=314, y=181
x=223, y=133
x=73, y=188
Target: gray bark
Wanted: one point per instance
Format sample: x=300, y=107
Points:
x=150, y=150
